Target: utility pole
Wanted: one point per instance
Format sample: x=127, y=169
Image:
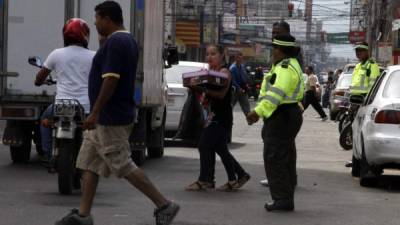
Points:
x=309, y=6
x=239, y=14
x=214, y=21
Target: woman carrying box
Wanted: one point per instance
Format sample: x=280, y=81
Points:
x=214, y=137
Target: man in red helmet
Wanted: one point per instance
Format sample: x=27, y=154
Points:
x=71, y=65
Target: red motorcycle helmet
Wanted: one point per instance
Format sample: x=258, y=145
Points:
x=76, y=31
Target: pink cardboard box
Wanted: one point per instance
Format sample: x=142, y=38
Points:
x=207, y=78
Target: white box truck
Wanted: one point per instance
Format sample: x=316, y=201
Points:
x=34, y=28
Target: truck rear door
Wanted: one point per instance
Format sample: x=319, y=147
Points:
x=34, y=29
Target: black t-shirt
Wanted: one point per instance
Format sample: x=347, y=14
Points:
x=117, y=57
x=222, y=109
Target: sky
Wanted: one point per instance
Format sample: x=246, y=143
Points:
x=336, y=17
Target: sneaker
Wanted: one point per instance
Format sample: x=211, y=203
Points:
x=264, y=182
x=348, y=164
x=166, y=214
x=324, y=119
x=73, y=218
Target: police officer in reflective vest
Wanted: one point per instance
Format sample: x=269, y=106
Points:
x=281, y=91
x=365, y=73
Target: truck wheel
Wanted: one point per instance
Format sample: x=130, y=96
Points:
x=139, y=156
x=21, y=154
x=65, y=166
x=355, y=167
x=346, y=137
x=158, y=151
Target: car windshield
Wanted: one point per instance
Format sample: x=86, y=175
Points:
x=174, y=74
x=392, y=87
x=350, y=69
x=344, y=81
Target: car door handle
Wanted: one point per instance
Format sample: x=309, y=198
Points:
x=175, y=94
x=373, y=113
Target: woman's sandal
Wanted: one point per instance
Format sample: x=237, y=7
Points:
x=200, y=186
x=242, y=181
x=228, y=186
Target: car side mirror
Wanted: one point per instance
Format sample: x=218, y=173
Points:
x=171, y=56
x=35, y=61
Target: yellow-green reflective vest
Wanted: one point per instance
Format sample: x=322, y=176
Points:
x=283, y=84
x=364, y=76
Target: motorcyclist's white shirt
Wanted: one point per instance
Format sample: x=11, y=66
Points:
x=72, y=66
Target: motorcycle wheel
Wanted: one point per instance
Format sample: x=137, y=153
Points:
x=65, y=166
x=346, y=137
x=343, y=121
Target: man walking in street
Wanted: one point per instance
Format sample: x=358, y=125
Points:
x=105, y=148
x=239, y=81
x=311, y=93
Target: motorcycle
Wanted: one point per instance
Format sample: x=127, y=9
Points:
x=346, y=133
x=342, y=115
x=255, y=81
x=67, y=133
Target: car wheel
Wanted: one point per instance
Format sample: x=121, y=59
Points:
x=355, y=167
x=367, y=177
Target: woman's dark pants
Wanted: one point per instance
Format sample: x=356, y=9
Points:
x=214, y=140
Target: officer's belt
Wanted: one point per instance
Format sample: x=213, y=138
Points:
x=283, y=107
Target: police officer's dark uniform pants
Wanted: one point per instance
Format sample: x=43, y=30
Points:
x=279, y=133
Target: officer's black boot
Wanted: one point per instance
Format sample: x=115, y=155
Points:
x=284, y=205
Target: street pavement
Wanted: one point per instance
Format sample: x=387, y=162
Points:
x=326, y=193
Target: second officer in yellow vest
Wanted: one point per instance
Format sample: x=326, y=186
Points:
x=365, y=73
x=282, y=89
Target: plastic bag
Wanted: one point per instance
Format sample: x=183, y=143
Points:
x=191, y=121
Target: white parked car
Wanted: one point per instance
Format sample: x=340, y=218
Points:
x=177, y=94
x=376, y=129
